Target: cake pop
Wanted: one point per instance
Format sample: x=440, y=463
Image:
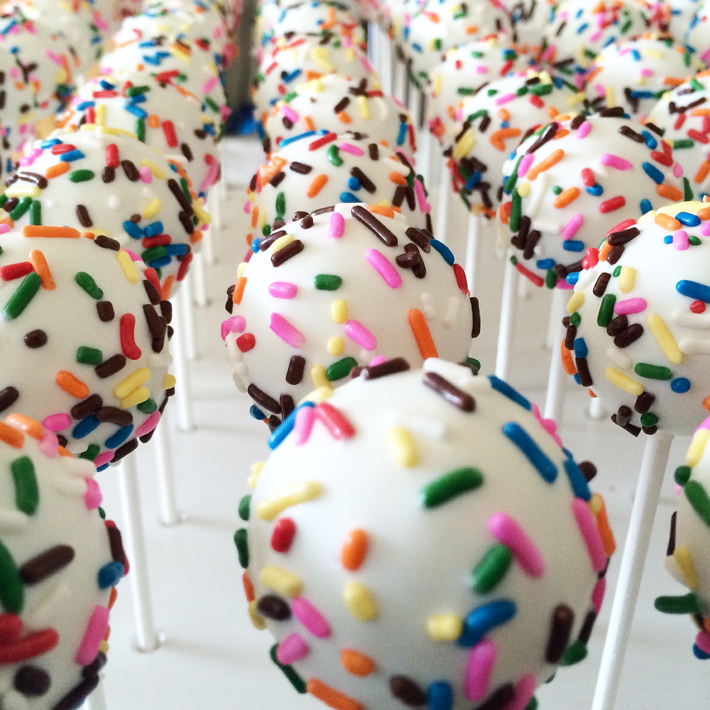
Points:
x=530, y=18
x=698, y=33
x=474, y=603
x=674, y=16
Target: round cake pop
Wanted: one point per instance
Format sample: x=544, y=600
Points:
x=674, y=16
x=335, y=103
x=530, y=18
x=345, y=286
x=575, y=180
x=60, y=563
x=637, y=331
x=315, y=171
x=635, y=73
x=683, y=117
x=698, y=33
x=497, y=119
x=465, y=70
x=291, y=63
x=85, y=340
x=134, y=196
x=166, y=118
x=474, y=603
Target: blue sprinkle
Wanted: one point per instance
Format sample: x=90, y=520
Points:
x=349, y=197
x=654, y=173
x=293, y=139
x=102, y=468
x=402, y=135
x=286, y=427
x=582, y=28
x=668, y=239
x=572, y=278
x=635, y=54
x=595, y=190
x=484, y=618
x=48, y=144
x=680, y=385
x=154, y=229
x=120, y=437
x=441, y=696
x=106, y=85
x=473, y=180
x=651, y=142
x=638, y=94
x=645, y=206
x=132, y=229
x=176, y=249
x=136, y=111
x=445, y=252
x=580, y=348
x=505, y=124
x=110, y=575
x=694, y=290
x=255, y=245
x=71, y=156
x=511, y=393
x=151, y=60
x=160, y=263
x=257, y=413
x=85, y=427
x=688, y=219
x=699, y=653
x=580, y=488
x=532, y=452
x=545, y=264
x=292, y=76
x=354, y=184
x=138, y=99
x=573, y=245
x=84, y=105
x=577, y=380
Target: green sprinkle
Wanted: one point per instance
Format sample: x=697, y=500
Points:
x=649, y=419
x=513, y=177
x=522, y=91
x=26, y=487
x=245, y=507
x=91, y=452
x=240, y=540
x=556, y=190
x=266, y=230
x=293, y=677
x=462, y=91
x=606, y=310
x=616, y=272
x=81, y=175
x=3, y=200
x=22, y=206
x=652, y=372
x=687, y=190
x=450, y=486
x=698, y=499
x=327, y=282
x=290, y=97
x=19, y=300
x=12, y=593
x=533, y=704
x=36, y=212
x=87, y=282
x=334, y=156
x=185, y=188
x=574, y=654
x=682, y=475
x=211, y=103
x=477, y=114
x=491, y=92
x=102, y=513
x=89, y=356
x=550, y=279
x=473, y=364
x=339, y=370
x=148, y=407
x=687, y=604
x=140, y=130
x=624, y=29
x=491, y=570
x=696, y=84
x=515, y=211
x=683, y=143
x=137, y=90
x=695, y=241
x=540, y=89
x=575, y=319
x=153, y=254
x=280, y=205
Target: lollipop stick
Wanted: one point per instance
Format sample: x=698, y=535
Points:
x=208, y=252
x=473, y=252
x=165, y=472
x=555, y=399
x=200, y=281
x=424, y=155
x=552, y=323
x=400, y=79
x=445, y=199
x=648, y=492
x=187, y=318
x=373, y=53
x=525, y=292
x=386, y=61
x=596, y=409
x=183, y=390
x=507, y=318
x=97, y=700
x=134, y=541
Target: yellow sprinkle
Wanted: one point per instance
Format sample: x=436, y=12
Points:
x=384, y=203
x=438, y=84
x=169, y=382
x=129, y=269
x=627, y=278
x=135, y=379
x=318, y=376
x=107, y=130
x=360, y=602
x=465, y=145
x=100, y=113
x=103, y=647
x=287, y=497
x=682, y=557
x=339, y=311
x=575, y=99
x=335, y=346
x=256, y=469
x=318, y=395
x=22, y=191
x=320, y=56
x=664, y=338
x=444, y=627
x=257, y=621
x=282, y=581
x=281, y=242
x=152, y=208
x=582, y=58
x=349, y=56
x=241, y=268
x=30, y=117
x=655, y=53
x=402, y=447
x=625, y=383
x=155, y=171
x=200, y=212
x=697, y=447
x=362, y=106
x=596, y=503
x=524, y=189
x=137, y=396
x=575, y=303
x=610, y=97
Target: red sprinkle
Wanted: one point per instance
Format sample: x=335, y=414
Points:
x=335, y=422
x=90, y=115
x=615, y=203
x=461, y=281
x=679, y=121
x=28, y=647
x=536, y=101
x=246, y=342
x=62, y=148
x=152, y=275
x=15, y=271
x=327, y=138
x=621, y=226
x=10, y=627
x=698, y=136
x=697, y=307
x=588, y=177
x=169, y=131
x=537, y=280
x=112, y=155
x=105, y=94
x=160, y=241
x=128, y=343
x=184, y=266
x=282, y=537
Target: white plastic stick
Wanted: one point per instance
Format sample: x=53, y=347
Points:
x=165, y=472
x=415, y=108
x=596, y=409
x=446, y=196
x=186, y=317
x=552, y=323
x=183, y=390
x=425, y=152
x=472, y=265
x=525, y=289
x=97, y=700
x=507, y=318
x=400, y=79
x=648, y=493
x=197, y=272
x=555, y=399
x=208, y=250
x=386, y=48
x=373, y=54
x=147, y=637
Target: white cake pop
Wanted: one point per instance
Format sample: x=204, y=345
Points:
x=674, y=16
x=575, y=180
x=344, y=286
x=109, y=183
x=635, y=73
x=291, y=63
x=530, y=18
x=683, y=116
x=637, y=321
x=335, y=104
x=59, y=564
x=698, y=33
x=316, y=170
x=422, y=539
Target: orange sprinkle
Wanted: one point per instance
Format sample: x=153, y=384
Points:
x=591, y=394
x=706, y=624
x=38, y=230
x=196, y=237
x=113, y=596
x=672, y=193
x=167, y=288
x=498, y=137
x=311, y=75
x=248, y=587
x=39, y=262
x=308, y=123
x=700, y=112
x=546, y=164
x=702, y=173
x=88, y=235
x=11, y=436
x=266, y=173
x=30, y=426
x=63, y=121
x=239, y=290
x=504, y=114
x=317, y=185
x=55, y=170
x=354, y=551
x=397, y=178
x=344, y=117
x=706, y=404
x=381, y=210
x=605, y=530
x=561, y=133
x=704, y=214
x=71, y=385
x=565, y=198
x=567, y=360
x=552, y=112
x=153, y=121
x=356, y=663
x=604, y=251
x=672, y=81
x=64, y=452
x=398, y=210
x=666, y=222
x=254, y=216
x=589, y=77
x=331, y=697
x=419, y=327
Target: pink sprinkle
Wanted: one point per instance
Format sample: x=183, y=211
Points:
x=290, y=335
x=92, y=497
x=508, y=531
x=146, y=175
x=614, y=161
x=360, y=334
x=293, y=648
x=561, y=283
x=591, y=259
x=4, y=228
x=57, y=422
x=379, y=359
x=482, y=69
x=548, y=425
x=53, y=56
x=308, y=615
x=350, y=148
x=506, y=98
x=94, y=634
x=523, y=693
x=337, y=225
x=384, y=268
x=572, y=227
x=525, y=164
x=646, y=72
x=629, y=306
x=705, y=229
x=133, y=255
x=548, y=53
x=598, y=594
x=211, y=179
x=590, y=533
x=424, y=206
x=681, y=240
x=704, y=425
x=678, y=489
x=235, y=324
x=247, y=207
x=703, y=641
x=209, y=85
x=49, y=444
x=677, y=170
x=302, y=427
x=480, y=664
x=287, y=111
x=283, y=289
x=104, y=458
x=148, y=425
x=599, y=88
x=584, y=129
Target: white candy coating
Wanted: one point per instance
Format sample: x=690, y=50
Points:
x=402, y=602
x=698, y=31
x=530, y=18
